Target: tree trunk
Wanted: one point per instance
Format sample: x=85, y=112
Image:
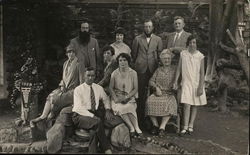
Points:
x=218, y=25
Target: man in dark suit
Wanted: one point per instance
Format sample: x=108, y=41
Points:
x=145, y=54
x=87, y=48
x=176, y=41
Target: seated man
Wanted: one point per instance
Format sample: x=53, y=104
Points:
x=86, y=114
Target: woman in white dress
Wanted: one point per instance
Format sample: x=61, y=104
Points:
x=119, y=45
x=191, y=67
x=124, y=90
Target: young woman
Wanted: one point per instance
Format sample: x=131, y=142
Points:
x=73, y=75
x=124, y=89
x=191, y=67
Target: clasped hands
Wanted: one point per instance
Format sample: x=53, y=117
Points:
x=121, y=99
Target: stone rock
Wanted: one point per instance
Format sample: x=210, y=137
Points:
x=8, y=135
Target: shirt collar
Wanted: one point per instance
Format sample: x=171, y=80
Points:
x=179, y=32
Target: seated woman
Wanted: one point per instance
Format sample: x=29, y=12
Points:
x=73, y=75
x=119, y=46
x=162, y=102
x=110, y=66
x=124, y=89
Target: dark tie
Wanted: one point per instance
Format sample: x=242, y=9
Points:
x=92, y=98
x=176, y=38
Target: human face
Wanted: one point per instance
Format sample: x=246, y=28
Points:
x=179, y=25
x=166, y=60
x=119, y=37
x=148, y=27
x=192, y=45
x=107, y=55
x=85, y=27
x=71, y=55
x=123, y=63
x=89, y=77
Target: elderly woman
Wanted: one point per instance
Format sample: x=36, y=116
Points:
x=110, y=66
x=119, y=45
x=162, y=102
x=73, y=75
x=124, y=89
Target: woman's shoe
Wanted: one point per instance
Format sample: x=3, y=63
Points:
x=183, y=132
x=190, y=130
x=132, y=134
x=154, y=130
x=161, y=133
x=140, y=135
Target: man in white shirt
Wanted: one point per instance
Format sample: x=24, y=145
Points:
x=86, y=113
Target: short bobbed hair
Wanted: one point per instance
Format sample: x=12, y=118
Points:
x=123, y=55
x=108, y=48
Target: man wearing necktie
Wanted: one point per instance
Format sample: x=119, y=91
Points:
x=176, y=41
x=86, y=108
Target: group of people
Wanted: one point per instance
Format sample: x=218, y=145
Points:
x=128, y=77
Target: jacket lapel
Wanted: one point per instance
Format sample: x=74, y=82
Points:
x=144, y=41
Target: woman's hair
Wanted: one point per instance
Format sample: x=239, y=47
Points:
x=108, y=48
x=123, y=55
x=166, y=52
x=191, y=37
x=70, y=47
x=120, y=30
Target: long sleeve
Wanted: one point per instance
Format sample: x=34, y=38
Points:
x=78, y=104
x=106, y=79
x=134, y=51
x=159, y=49
x=152, y=81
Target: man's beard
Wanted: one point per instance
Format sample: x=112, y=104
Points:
x=148, y=35
x=84, y=37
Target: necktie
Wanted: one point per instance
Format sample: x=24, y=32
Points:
x=92, y=98
x=176, y=38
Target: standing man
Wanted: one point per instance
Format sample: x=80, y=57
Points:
x=86, y=108
x=87, y=48
x=145, y=53
x=176, y=41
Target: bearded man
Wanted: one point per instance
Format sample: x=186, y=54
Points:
x=87, y=48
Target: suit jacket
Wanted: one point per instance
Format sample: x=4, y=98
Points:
x=88, y=54
x=180, y=43
x=146, y=55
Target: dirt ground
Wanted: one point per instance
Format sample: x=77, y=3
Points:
x=214, y=132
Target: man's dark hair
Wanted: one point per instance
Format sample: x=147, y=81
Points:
x=124, y=55
x=191, y=37
x=179, y=17
x=108, y=48
x=149, y=20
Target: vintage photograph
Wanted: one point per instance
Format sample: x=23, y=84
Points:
x=124, y=76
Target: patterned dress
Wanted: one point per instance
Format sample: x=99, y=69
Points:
x=166, y=104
